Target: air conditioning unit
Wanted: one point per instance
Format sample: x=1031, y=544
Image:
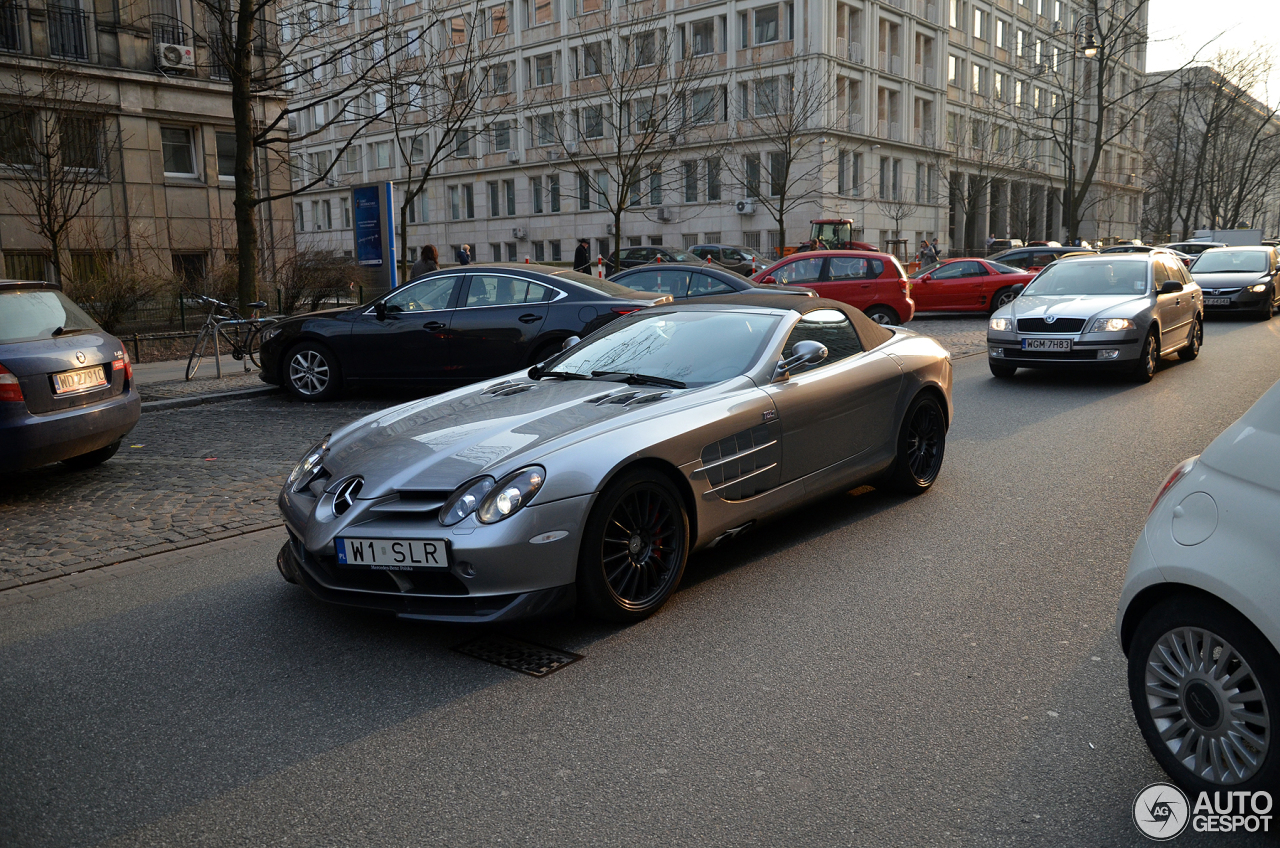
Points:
x=513, y=156
x=1057, y=26
x=175, y=57
x=664, y=214
x=518, y=233
x=571, y=147
x=608, y=229
x=746, y=207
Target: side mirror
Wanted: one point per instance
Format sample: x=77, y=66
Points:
x=1170, y=287
x=1017, y=288
x=380, y=310
x=804, y=353
x=926, y=278
x=769, y=281
x=570, y=342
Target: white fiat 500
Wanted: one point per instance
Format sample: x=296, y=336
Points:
x=1199, y=616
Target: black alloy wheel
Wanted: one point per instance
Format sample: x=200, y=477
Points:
x=883, y=315
x=1205, y=685
x=1144, y=367
x=922, y=443
x=312, y=372
x=1192, y=350
x=634, y=548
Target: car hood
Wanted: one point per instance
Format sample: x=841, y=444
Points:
x=1250, y=448
x=493, y=427
x=1039, y=306
x=1229, y=279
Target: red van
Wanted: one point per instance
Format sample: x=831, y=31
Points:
x=876, y=283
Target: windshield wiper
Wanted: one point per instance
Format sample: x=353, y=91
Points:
x=57, y=332
x=567, y=375
x=639, y=379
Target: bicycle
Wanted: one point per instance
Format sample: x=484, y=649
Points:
x=242, y=335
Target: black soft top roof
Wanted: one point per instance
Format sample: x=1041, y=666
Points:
x=871, y=334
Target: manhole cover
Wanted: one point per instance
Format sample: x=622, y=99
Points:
x=517, y=655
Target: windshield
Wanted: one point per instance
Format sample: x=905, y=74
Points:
x=1066, y=279
x=696, y=348
x=1229, y=261
x=926, y=269
x=27, y=316
x=832, y=233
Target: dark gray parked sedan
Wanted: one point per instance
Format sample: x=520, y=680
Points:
x=1239, y=279
x=1121, y=311
x=66, y=386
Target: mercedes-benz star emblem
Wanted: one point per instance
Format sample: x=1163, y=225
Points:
x=1049, y=319
x=80, y=357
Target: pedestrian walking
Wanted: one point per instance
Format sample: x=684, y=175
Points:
x=582, y=256
x=428, y=261
x=991, y=239
x=937, y=252
x=922, y=255
x=464, y=255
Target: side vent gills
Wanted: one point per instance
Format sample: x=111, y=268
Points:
x=649, y=398
x=506, y=388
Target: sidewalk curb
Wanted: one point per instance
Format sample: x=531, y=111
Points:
x=198, y=400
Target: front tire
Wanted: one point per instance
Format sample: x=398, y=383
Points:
x=1205, y=686
x=312, y=372
x=883, y=315
x=92, y=458
x=1144, y=367
x=922, y=442
x=1001, y=371
x=634, y=548
x=1002, y=298
x=1192, y=350
x=1266, y=308
x=198, y=350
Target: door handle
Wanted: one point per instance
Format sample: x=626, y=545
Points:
x=530, y=318
x=434, y=325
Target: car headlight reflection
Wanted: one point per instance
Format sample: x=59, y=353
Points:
x=271, y=332
x=1002, y=325
x=1112, y=325
x=305, y=470
x=464, y=501
x=1258, y=289
x=510, y=494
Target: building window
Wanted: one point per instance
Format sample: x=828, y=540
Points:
x=602, y=189
x=767, y=96
x=690, y=181
x=346, y=212
x=462, y=143
x=502, y=136
x=469, y=199
x=226, y=155
x=553, y=194
x=500, y=78
x=752, y=169
x=547, y=129
x=555, y=251
x=766, y=30
x=713, y=178
x=702, y=106
x=644, y=51
x=777, y=174
x=593, y=122
x=584, y=192
x=655, y=188
x=299, y=222
x=591, y=62
x=544, y=69
x=539, y=252
x=455, y=208
x=955, y=71
x=382, y=154
x=179, y=157
x=704, y=37
x=509, y=188
x=495, y=209
x=496, y=249
x=351, y=160
x=511, y=251
x=536, y=183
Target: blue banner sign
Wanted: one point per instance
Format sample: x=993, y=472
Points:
x=368, y=225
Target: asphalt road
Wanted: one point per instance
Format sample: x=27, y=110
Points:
x=872, y=671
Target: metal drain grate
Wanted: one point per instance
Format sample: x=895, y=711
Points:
x=524, y=657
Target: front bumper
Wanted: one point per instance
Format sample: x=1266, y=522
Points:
x=496, y=571
x=1088, y=350
x=1239, y=301
x=30, y=440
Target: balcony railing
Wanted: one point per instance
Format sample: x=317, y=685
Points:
x=168, y=32
x=925, y=137
x=925, y=75
x=855, y=124
x=68, y=33
x=12, y=18
x=855, y=52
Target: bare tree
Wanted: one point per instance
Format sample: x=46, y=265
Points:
x=636, y=97
x=57, y=137
x=981, y=149
x=896, y=205
x=777, y=153
x=328, y=61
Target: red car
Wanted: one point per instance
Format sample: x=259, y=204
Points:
x=876, y=283
x=966, y=285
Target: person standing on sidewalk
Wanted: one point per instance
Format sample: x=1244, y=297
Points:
x=464, y=255
x=582, y=257
x=428, y=261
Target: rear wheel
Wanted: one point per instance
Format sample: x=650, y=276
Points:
x=312, y=372
x=1192, y=350
x=634, y=547
x=92, y=458
x=198, y=350
x=1204, y=685
x=922, y=441
x=1002, y=371
x=1144, y=367
x=883, y=315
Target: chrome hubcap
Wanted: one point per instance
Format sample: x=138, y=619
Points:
x=309, y=372
x=1207, y=705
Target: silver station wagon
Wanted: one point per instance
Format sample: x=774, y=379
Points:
x=1118, y=311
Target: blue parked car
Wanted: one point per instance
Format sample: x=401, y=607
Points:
x=66, y=385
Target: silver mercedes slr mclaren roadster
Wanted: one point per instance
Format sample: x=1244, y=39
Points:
x=591, y=477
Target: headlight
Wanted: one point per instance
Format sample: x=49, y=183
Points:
x=305, y=470
x=1003, y=325
x=1258, y=289
x=510, y=493
x=464, y=501
x=270, y=332
x=1112, y=325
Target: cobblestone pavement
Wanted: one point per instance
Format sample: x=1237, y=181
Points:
x=183, y=477
x=203, y=383
x=187, y=476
